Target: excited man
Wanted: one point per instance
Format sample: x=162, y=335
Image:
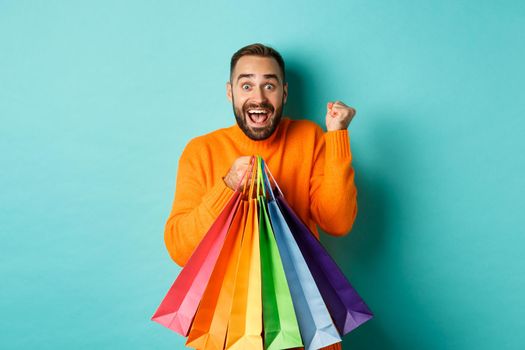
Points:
x=312, y=167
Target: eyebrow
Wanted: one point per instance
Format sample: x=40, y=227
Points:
x=266, y=76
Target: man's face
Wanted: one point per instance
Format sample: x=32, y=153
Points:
x=258, y=94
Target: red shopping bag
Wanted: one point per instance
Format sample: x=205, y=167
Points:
x=178, y=307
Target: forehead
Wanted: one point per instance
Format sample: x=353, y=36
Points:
x=256, y=65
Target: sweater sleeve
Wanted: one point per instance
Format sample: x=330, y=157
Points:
x=195, y=206
x=333, y=195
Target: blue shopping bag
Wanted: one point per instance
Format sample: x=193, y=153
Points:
x=315, y=323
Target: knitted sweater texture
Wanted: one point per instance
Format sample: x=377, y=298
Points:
x=313, y=169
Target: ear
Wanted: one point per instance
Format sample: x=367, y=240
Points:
x=285, y=92
x=229, y=90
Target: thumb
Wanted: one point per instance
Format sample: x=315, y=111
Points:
x=329, y=109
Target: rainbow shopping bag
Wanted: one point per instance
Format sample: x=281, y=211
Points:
x=260, y=279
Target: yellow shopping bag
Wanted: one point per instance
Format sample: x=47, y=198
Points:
x=245, y=325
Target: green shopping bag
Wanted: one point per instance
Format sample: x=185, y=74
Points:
x=281, y=330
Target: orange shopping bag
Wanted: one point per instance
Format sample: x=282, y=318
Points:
x=245, y=324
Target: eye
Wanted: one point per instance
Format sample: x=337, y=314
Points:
x=245, y=86
x=269, y=86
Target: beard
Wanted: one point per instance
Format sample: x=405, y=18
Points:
x=255, y=133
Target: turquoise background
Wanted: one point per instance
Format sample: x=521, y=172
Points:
x=98, y=99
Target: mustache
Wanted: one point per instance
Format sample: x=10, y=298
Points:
x=259, y=106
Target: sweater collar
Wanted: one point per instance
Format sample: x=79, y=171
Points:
x=258, y=145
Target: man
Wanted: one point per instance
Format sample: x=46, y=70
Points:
x=312, y=168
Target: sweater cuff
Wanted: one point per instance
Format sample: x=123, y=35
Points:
x=338, y=144
x=217, y=198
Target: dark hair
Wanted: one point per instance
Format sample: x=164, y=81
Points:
x=258, y=50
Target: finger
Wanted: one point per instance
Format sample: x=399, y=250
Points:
x=243, y=162
x=339, y=104
x=351, y=111
x=329, y=105
x=245, y=176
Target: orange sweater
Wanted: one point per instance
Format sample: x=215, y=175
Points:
x=312, y=168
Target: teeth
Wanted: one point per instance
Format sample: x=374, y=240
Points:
x=258, y=118
x=256, y=111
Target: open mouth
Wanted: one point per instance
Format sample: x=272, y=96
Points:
x=258, y=116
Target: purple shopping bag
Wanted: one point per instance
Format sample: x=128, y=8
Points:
x=346, y=306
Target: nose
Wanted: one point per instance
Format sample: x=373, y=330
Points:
x=259, y=94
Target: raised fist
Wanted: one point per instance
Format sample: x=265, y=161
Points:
x=338, y=116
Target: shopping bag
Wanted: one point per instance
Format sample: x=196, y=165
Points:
x=245, y=322
x=178, y=307
x=281, y=330
x=347, y=308
x=208, y=330
x=315, y=323
x=344, y=303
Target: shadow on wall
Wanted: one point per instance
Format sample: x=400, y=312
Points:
x=296, y=105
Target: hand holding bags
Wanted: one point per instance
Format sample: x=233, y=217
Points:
x=267, y=281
